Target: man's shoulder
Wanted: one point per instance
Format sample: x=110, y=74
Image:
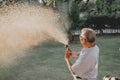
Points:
x=96, y=48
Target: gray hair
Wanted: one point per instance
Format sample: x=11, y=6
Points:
x=89, y=34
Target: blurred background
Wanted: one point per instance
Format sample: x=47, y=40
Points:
x=46, y=61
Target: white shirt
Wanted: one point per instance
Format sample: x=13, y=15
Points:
x=86, y=66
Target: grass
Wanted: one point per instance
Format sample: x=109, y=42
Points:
x=109, y=55
x=46, y=62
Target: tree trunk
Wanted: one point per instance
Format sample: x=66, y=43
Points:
x=44, y=3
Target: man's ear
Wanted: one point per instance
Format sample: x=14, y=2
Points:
x=85, y=40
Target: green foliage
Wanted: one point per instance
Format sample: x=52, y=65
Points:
x=108, y=7
x=74, y=15
x=103, y=14
x=51, y=3
x=115, y=7
x=7, y=2
x=104, y=6
x=107, y=16
x=79, y=6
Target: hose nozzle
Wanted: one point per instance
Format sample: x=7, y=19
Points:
x=69, y=52
x=67, y=46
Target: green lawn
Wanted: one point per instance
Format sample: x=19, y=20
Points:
x=46, y=62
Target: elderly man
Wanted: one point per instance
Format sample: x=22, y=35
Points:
x=86, y=66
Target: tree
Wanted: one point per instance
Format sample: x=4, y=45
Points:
x=108, y=15
x=74, y=15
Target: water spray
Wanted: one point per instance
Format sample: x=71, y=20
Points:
x=24, y=26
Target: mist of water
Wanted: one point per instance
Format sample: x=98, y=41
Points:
x=22, y=27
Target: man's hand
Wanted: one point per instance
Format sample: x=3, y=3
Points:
x=68, y=61
x=68, y=54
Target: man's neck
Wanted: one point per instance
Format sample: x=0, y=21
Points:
x=89, y=45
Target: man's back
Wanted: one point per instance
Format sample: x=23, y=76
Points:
x=86, y=66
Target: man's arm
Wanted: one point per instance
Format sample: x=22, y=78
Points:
x=75, y=54
x=69, y=63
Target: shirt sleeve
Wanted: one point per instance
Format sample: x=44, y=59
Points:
x=82, y=65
